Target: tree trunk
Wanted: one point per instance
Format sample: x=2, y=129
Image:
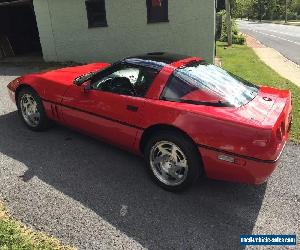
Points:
x=260, y=10
x=286, y=11
x=228, y=23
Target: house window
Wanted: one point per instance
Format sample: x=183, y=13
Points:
x=157, y=11
x=96, y=13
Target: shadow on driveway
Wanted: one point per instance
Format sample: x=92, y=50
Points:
x=211, y=214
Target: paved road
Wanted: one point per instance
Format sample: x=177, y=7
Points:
x=283, y=38
x=95, y=196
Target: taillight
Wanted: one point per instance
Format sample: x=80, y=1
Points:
x=279, y=134
x=283, y=128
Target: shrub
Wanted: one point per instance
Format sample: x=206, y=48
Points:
x=292, y=15
x=236, y=38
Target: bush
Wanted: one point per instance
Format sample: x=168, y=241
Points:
x=223, y=37
x=292, y=15
x=234, y=27
x=236, y=38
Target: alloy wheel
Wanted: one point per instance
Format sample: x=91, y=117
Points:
x=168, y=163
x=29, y=109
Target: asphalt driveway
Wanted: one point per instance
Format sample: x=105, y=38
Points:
x=95, y=196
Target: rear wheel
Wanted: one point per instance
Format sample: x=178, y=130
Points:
x=32, y=110
x=173, y=160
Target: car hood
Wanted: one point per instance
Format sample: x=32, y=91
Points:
x=65, y=76
x=51, y=85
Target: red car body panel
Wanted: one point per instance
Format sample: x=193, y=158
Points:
x=252, y=136
x=94, y=110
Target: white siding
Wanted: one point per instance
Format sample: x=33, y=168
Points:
x=65, y=36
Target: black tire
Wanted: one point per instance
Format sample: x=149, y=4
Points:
x=43, y=123
x=185, y=144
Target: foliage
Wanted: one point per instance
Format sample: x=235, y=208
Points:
x=265, y=9
x=236, y=38
x=242, y=61
x=243, y=8
x=295, y=7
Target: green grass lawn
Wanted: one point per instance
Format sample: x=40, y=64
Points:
x=242, y=61
x=14, y=236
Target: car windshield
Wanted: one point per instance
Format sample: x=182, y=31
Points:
x=202, y=83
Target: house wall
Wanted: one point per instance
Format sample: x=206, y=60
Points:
x=65, y=36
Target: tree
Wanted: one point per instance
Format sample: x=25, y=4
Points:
x=271, y=8
x=238, y=8
x=286, y=11
x=295, y=6
x=228, y=22
x=266, y=9
x=245, y=8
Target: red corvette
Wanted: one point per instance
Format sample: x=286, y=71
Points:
x=187, y=117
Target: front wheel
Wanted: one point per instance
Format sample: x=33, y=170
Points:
x=32, y=110
x=173, y=160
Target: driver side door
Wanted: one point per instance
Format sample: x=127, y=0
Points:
x=106, y=110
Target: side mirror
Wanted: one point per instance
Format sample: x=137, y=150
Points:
x=78, y=81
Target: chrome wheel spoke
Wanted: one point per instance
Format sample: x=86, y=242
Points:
x=174, y=174
x=177, y=171
x=24, y=109
x=180, y=165
x=174, y=152
x=34, y=116
x=162, y=150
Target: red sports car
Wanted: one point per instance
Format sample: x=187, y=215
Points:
x=187, y=117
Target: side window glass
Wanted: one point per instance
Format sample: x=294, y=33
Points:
x=144, y=81
x=176, y=89
x=127, y=80
x=130, y=73
x=121, y=81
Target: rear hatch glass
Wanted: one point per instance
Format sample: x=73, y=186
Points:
x=207, y=84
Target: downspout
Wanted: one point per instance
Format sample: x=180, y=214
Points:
x=215, y=16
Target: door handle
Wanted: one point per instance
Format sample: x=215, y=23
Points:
x=132, y=108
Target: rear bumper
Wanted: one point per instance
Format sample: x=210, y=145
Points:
x=241, y=169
